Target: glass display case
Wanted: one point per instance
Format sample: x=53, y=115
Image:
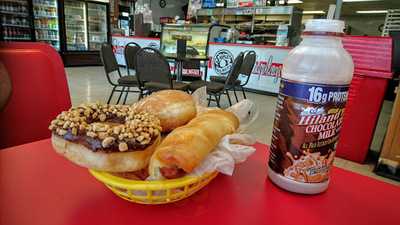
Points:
x=258, y=25
x=15, y=20
x=196, y=36
x=46, y=22
x=97, y=22
x=75, y=25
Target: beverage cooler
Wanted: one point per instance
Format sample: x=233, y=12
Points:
x=16, y=20
x=86, y=27
x=75, y=28
x=46, y=20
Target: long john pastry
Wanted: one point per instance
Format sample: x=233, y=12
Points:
x=187, y=146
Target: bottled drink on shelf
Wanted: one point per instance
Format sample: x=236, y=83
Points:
x=4, y=19
x=3, y=6
x=12, y=32
x=8, y=8
x=15, y=33
x=16, y=7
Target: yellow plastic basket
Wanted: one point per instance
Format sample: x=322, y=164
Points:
x=153, y=192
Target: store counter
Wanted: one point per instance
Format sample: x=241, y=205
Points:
x=266, y=73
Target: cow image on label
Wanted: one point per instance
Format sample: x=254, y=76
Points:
x=310, y=107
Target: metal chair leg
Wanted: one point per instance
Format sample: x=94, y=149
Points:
x=218, y=99
x=126, y=96
x=229, y=97
x=234, y=92
x=140, y=94
x=120, y=95
x=244, y=94
x=111, y=95
x=209, y=100
x=206, y=71
x=175, y=63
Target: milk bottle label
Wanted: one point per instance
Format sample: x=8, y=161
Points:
x=307, y=122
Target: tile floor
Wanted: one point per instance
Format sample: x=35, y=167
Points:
x=88, y=84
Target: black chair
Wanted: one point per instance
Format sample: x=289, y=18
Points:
x=246, y=69
x=130, y=55
x=216, y=89
x=110, y=66
x=153, y=72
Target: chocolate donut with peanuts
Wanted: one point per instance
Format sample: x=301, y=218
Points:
x=112, y=138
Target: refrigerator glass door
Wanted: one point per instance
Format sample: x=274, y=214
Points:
x=97, y=21
x=15, y=20
x=75, y=25
x=124, y=25
x=46, y=22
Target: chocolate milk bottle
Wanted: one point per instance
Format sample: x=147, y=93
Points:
x=309, y=112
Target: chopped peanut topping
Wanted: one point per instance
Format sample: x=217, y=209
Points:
x=112, y=124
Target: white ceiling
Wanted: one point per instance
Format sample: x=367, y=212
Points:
x=349, y=8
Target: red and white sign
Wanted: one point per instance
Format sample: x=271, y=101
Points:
x=266, y=72
x=267, y=69
x=119, y=43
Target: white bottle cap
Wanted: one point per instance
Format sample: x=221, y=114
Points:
x=324, y=25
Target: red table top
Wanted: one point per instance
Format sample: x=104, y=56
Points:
x=39, y=187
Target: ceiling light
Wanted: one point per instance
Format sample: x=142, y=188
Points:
x=314, y=12
x=372, y=12
x=290, y=2
x=362, y=0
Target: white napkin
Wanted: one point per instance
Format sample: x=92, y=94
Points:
x=234, y=148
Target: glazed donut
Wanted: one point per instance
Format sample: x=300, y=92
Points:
x=110, y=138
x=174, y=108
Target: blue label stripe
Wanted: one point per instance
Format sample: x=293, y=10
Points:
x=301, y=91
